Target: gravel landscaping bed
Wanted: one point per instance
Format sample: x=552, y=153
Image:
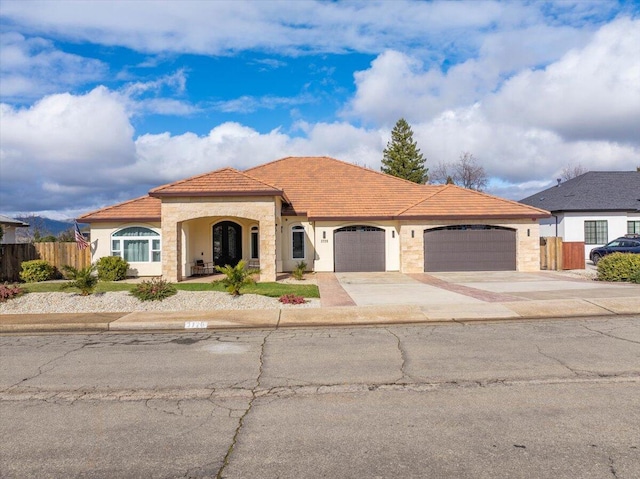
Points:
x=122, y=301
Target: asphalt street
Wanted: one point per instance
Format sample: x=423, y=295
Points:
x=544, y=399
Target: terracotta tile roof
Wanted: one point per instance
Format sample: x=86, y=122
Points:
x=325, y=188
x=322, y=187
x=452, y=201
x=223, y=182
x=144, y=208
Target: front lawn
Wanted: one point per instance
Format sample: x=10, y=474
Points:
x=273, y=290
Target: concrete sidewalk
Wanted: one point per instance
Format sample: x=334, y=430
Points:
x=380, y=298
x=324, y=316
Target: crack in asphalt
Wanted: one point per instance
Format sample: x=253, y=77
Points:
x=254, y=390
x=577, y=372
x=212, y=395
x=612, y=467
x=612, y=336
x=403, y=357
x=41, y=370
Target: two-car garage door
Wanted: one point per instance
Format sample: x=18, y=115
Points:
x=470, y=248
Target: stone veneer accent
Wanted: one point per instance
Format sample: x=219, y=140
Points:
x=176, y=210
x=527, y=246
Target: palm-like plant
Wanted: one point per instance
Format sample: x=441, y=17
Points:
x=82, y=278
x=237, y=276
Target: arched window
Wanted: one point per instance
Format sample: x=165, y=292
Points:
x=255, y=243
x=136, y=244
x=297, y=242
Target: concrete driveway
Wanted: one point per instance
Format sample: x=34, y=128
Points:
x=468, y=288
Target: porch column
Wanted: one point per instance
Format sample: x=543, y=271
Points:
x=171, y=250
x=267, y=249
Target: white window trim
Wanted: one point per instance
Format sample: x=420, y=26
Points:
x=254, y=230
x=151, y=239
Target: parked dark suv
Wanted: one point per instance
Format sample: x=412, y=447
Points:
x=625, y=244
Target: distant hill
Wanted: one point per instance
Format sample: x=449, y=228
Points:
x=46, y=226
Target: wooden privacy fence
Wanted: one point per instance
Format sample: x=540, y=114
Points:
x=573, y=255
x=56, y=254
x=557, y=255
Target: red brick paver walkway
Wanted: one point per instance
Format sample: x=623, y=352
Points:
x=331, y=291
x=480, y=294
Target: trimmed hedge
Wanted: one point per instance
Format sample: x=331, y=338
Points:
x=112, y=268
x=36, y=270
x=620, y=267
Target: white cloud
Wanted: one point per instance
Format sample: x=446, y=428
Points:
x=62, y=141
x=79, y=150
x=224, y=27
x=591, y=93
x=250, y=104
x=33, y=67
x=582, y=108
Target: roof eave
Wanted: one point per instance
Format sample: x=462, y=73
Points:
x=605, y=210
x=128, y=219
x=213, y=194
x=351, y=218
x=532, y=216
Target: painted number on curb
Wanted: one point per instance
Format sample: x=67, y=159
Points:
x=195, y=325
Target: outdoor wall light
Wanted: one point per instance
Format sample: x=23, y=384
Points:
x=528, y=232
x=324, y=235
x=413, y=233
x=393, y=234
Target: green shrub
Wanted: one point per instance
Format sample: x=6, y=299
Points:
x=155, y=289
x=83, y=278
x=619, y=267
x=36, y=270
x=298, y=271
x=237, y=276
x=9, y=291
x=112, y=268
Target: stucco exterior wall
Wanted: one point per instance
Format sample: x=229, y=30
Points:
x=179, y=227
x=527, y=242
x=101, y=246
x=287, y=261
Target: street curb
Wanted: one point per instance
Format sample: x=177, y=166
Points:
x=191, y=321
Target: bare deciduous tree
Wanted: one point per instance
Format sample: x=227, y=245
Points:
x=571, y=171
x=465, y=172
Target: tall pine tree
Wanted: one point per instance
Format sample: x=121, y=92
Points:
x=402, y=157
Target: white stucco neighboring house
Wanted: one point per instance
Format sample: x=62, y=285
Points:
x=595, y=207
x=332, y=215
x=9, y=226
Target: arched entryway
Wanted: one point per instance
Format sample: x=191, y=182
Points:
x=227, y=243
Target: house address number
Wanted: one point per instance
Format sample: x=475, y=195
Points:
x=195, y=325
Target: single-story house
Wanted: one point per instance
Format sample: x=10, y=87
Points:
x=594, y=208
x=334, y=216
x=9, y=226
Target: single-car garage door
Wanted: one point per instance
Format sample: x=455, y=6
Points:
x=359, y=248
x=470, y=248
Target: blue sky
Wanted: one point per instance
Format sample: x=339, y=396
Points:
x=102, y=101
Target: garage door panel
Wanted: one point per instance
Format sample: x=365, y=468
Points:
x=469, y=250
x=359, y=250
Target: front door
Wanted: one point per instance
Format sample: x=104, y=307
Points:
x=227, y=243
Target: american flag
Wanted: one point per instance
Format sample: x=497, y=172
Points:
x=81, y=243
